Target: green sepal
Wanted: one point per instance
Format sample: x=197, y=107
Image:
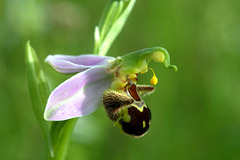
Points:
x=39, y=92
x=137, y=62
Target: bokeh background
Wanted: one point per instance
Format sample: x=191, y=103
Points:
x=195, y=111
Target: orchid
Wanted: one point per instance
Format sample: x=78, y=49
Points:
x=99, y=80
x=83, y=93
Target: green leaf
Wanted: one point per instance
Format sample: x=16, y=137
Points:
x=111, y=24
x=39, y=92
x=113, y=12
x=57, y=138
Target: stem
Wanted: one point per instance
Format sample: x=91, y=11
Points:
x=61, y=134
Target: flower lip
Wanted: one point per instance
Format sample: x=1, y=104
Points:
x=74, y=64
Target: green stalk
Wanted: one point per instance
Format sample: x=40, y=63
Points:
x=61, y=132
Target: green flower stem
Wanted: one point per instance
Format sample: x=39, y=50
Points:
x=61, y=135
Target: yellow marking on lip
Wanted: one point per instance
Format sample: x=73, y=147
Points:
x=144, y=124
x=139, y=108
x=126, y=117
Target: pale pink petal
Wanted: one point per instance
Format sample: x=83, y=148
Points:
x=73, y=64
x=78, y=96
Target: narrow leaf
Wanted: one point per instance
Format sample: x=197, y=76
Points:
x=39, y=92
x=114, y=10
x=96, y=36
x=116, y=27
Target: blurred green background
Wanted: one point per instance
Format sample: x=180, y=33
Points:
x=195, y=111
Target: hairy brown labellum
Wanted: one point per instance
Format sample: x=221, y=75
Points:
x=114, y=102
x=128, y=110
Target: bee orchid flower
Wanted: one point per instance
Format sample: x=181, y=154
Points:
x=103, y=80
